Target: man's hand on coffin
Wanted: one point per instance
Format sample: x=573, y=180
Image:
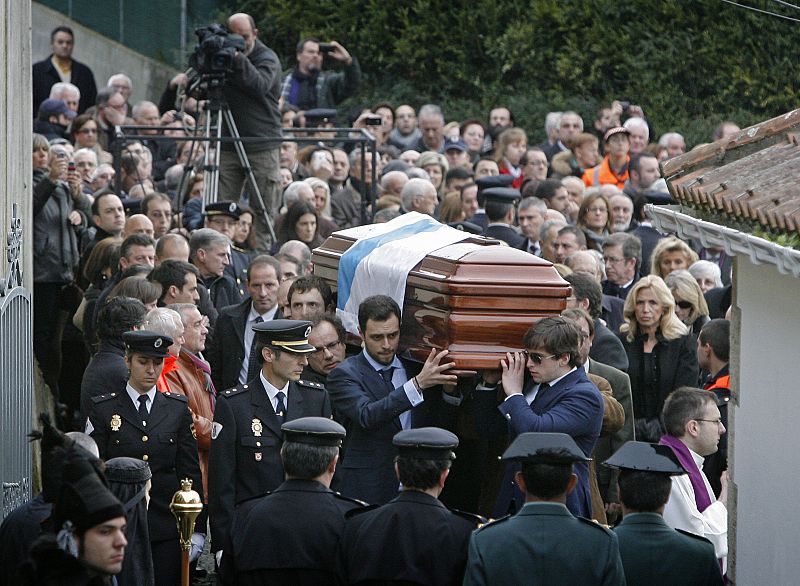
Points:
x=513, y=372
x=434, y=373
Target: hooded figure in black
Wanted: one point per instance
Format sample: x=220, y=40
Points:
x=129, y=481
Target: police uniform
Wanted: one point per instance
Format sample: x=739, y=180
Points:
x=240, y=260
x=246, y=434
x=413, y=538
x=483, y=184
x=544, y=543
x=291, y=536
x=500, y=230
x=652, y=552
x=165, y=440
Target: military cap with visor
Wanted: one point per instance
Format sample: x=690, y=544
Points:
x=426, y=443
x=147, y=343
x=315, y=431
x=544, y=448
x=223, y=208
x=285, y=334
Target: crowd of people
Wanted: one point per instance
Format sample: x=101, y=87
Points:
x=181, y=338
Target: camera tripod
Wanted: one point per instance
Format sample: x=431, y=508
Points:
x=218, y=112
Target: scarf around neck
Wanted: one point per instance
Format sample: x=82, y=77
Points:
x=701, y=497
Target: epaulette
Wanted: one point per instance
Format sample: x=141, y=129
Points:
x=594, y=523
x=695, y=536
x=349, y=499
x=478, y=520
x=354, y=512
x=178, y=396
x=492, y=522
x=227, y=393
x=238, y=249
x=311, y=384
x=101, y=398
x=254, y=498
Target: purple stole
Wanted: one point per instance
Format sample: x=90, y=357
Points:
x=701, y=498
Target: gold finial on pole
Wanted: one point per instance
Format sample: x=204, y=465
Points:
x=186, y=506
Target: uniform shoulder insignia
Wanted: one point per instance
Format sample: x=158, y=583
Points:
x=492, y=522
x=595, y=524
x=227, y=393
x=695, y=536
x=101, y=398
x=311, y=384
x=355, y=512
x=177, y=396
x=340, y=496
x=471, y=517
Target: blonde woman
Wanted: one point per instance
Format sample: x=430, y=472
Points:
x=671, y=254
x=690, y=305
x=322, y=203
x=661, y=353
x=436, y=165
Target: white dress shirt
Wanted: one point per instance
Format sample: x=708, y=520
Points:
x=272, y=392
x=249, y=334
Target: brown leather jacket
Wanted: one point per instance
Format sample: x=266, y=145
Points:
x=189, y=380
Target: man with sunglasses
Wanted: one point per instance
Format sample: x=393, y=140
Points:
x=554, y=395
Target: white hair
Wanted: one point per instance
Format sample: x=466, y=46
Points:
x=636, y=122
x=668, y=136
x=431, y=111
x=551, y=122
x=119, y=76
x=700, y=269
x=62, y=87
x=166, y=322
x=139, y=106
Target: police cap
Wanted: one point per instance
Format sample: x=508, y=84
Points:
x=493, y=181
x=317, y=431
x=223, y=208
x=319, y=116
x=426, y=443
x=544, y=448
x=147, y=343
x=465, y=226
x=646, y=457
x=501, y=195
x=286, y=334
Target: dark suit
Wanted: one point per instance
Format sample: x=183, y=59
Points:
x=245, y=459
x=223, y=291
x=612, y=314
x=412, y=539
x=654, y=554
x=237, y=271
x=225, y=353
x=167, y=444
x=573, y=406
x=290, y=536
x=480, y=219
x=371, y=416
x=106, y=373
x=505, y=233
x=543, y=544
x=649, y=237
x=615, y=290
x=607, y=348
x=45, y=76
x=526, y=246
x=607, y=445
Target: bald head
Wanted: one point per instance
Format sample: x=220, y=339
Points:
x=172, y=247
x=393, y=182
x=586, y=263
x=244, y=25
x=138, y=224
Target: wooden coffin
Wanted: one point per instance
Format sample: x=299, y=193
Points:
x=477, y=298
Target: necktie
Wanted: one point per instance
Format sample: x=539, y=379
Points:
x=280, y=408
x=386, y=375
x=143, y=407
x=542, y=389
x=252, y=360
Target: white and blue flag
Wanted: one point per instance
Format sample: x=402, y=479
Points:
x=379, y=262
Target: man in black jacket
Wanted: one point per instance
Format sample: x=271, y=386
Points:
x=252, y=93
x=60, y=66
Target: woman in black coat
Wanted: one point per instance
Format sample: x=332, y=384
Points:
x=661, y=350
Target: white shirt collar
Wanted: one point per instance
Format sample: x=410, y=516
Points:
x=134, y=395
x=270, y=313
x=272, y=391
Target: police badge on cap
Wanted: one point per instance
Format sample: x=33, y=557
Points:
x=147, y=343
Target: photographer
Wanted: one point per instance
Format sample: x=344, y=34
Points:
x=308, y=87
x=252, y=91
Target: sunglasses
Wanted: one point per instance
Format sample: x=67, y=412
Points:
x=684, y=304
x=537, y=358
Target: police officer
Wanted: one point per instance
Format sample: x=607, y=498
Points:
x=155, y=427
x=483, y=184
x=291, y=536
x=543, y=539
x=413, y=538
x=222, y=216
x=500, y=209
x=246, y=436
x=652, y=552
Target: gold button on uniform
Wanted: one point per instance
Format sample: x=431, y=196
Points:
x=145, y=457
x=144, y=438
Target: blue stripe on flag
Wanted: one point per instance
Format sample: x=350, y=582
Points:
x=361, y=249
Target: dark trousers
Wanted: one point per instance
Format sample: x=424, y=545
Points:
x=48, y=325
x=166, y=562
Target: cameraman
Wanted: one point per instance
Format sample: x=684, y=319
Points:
x=252, y=93
x=308, y=87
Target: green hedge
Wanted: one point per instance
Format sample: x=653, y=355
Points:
x=689, y=63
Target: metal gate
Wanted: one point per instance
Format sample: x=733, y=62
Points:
x=16, y=374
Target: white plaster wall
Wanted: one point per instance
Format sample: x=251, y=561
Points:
x=103, y=55
x=764, y=458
